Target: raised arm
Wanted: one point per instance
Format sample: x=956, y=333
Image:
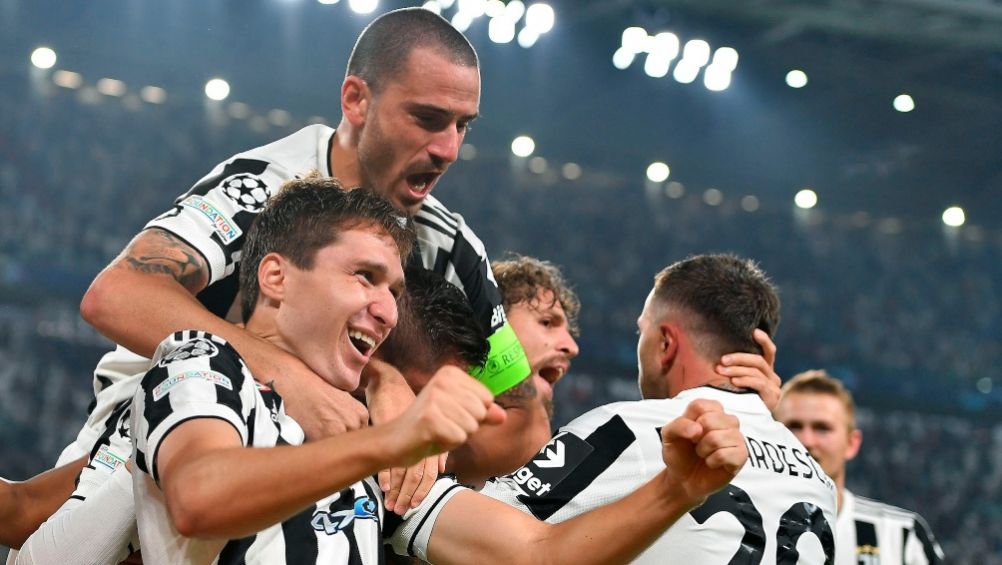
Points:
x=703, y=450
x=149, y=291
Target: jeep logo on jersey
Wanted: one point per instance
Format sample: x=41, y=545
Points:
x=551, y=465
x=248, y=191
x=196, y=348
x=332, y=523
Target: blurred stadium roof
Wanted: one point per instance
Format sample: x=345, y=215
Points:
x=839, y=135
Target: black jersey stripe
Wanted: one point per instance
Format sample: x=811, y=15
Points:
x=301, y=545
x=472, y=270
x=609, y=441
x=235, y=551
x=433, y=225
x=441, y=215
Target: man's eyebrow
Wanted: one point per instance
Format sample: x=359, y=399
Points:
x=433, y=109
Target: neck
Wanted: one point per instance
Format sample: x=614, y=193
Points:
x=839, y=489
x=343, y=157
x=262, y=325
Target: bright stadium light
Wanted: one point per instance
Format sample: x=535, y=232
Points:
x=725, y=57
x=674, y=190
x=904, y=103
x=539, y=17
x=363, y=6
x=571, y=171
x=658, y=172
x=713, y=197
x=623, y=58
x=685, y=71
x=446, y=4
x=696, y=51
x=665, y=44
x=796, y=78
x=279, y=118
x=634, y=39
x=656, y=66
x=433, y=6
x=984, y=385
x=111, y=87
x=514, y=10
x=527, y=37
x=43, y=58
x=495, y=9
x=67, y=79
x=749, y=203
x=501, y=30
x=328, y=1
x=462, y=21
x=153, y=94
x=467, y=152
x=538, y=165
x=806, y=199
x=954, y=216
x=238, y=110
x=217, y=89
x=523, y=146
x=716, y=78
x=475, y=8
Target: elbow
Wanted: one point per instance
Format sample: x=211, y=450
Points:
x=94, y=307
x=191, y=512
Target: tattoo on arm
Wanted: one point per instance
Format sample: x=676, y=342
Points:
x=159, y=252
x=519, y=395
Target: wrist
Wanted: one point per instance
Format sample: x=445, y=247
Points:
x=675, y=498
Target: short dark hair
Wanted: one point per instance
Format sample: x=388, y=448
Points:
x=723, y=299
x=523, y=279
x=307, y=215
x=436, y=325
x=383, y=47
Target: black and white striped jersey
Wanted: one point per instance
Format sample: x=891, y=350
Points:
x=214, y=215
x=197, y=375
x=874, y=533
x=761, y=517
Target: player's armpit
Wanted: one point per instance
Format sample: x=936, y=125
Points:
x=25, y=505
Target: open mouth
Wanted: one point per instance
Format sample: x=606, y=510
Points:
x=420, y=183
x=552, y=373
x=363, y=343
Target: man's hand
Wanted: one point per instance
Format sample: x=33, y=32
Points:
x=757, y=372
x=321, y=409
x=449, y=409
x=703, y=449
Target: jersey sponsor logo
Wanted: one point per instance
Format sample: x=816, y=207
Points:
x=228, y=231
x=213, y=377
x=200, y=347
x=497, y=316
x=108, y=458
x=551, y=465
x=246, y=190
x=334, y=522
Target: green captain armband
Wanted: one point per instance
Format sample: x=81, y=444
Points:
x=506, y=362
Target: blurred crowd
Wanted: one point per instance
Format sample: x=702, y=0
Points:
x=907, y=314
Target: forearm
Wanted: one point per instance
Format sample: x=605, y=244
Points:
x=26, y=505
x=236, y=491
x=615, y=533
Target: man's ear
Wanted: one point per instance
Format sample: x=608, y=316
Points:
x=271, y=278
x=855, y=441
x=355, y=100
x=670, y=334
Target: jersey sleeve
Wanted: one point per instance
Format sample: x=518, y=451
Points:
x=921, y=547
x=411, y=533
x=450, y=248
x=214, y=215
x=194, y=375
x=560, y=482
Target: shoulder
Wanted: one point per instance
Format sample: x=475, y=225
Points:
x=864, y=507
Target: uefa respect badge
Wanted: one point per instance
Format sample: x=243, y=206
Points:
x=506, y=364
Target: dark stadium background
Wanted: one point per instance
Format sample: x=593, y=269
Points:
x=876, y=288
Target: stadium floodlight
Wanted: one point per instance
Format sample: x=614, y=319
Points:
x=697, y=52
x=363, y=6
x=634, y=39
x=495, y=9
x=685, y=71
x=656, y=65
x=725, y=57
x=446, y=4
x=217, y=89
x=328, y=1
x=749, y=203
x=514, y=10
x=43, y=58
x=475, y=8
x=806, y=199
x=571, y=171
x=538, y=165
x=674, y=190
x=796, y=78
x=658, y=172
x=279, y=118
x=523, y=146
x=467, y=152
x=665, y=44
x=462, y=21
x=111, y=87
x=623, y=58
x=501, y=30
x=954, y=216
x=904, y=103
x=984, y=385
x=539, y=17
x=432, y=6
x=717, y=78
x=153, y=94
x=527, y=37
x=238, y=110
x=67, y=79
x=713, y=197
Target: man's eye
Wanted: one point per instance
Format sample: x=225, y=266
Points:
x=464, y=127
x=367, y=275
